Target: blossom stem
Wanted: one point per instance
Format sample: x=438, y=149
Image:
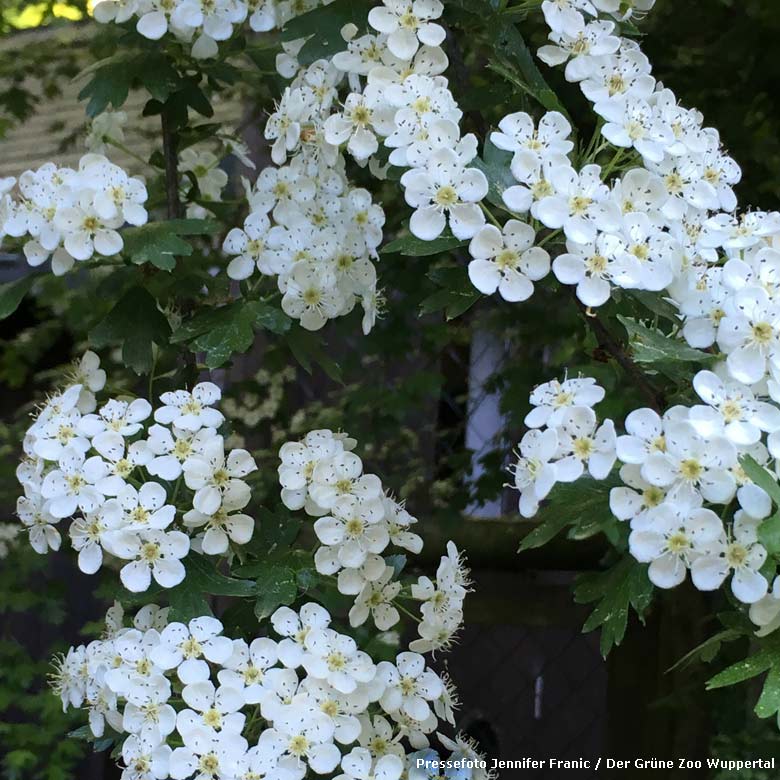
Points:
x=129, y=152
x=607, y=342
x=170, y=155
x=490, y=215
x=401, y=608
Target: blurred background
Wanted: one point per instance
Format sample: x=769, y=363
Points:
x=437, y=406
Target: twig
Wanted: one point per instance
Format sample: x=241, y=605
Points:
x=171, y=156
x=606, y=342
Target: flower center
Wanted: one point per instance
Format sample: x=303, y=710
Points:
x=736, y=555
x=446, y=196
x=678, y=542
x=579, y=204
x=507, y=259
x=150, y=552
x=298, y=745
x=762, y=333
x=691, y=469
x=583, y=447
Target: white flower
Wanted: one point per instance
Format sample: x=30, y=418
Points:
x=765, y=612
x=409, y=686
x=145, y=758
x=751, y=335
x=215, y=478
x=364, y=117
x=212, y=710
x=592, y=266
x=224, y=525
x=550, y=138
x=153, y=554
x=295, y=627
x=634, y=122
x=191, y=411
x=732, y=409
x=376, y=600
x=34, y=513
x=249, y=245
x=354, y=529
x=311, y=296
x=574, y=206
x=740, y=553
x=72, y=485
x=183, y=647
x=691, y=461
x=670, y=537
x=342, y=475
x=207, y=755
x=145, y=508
x=553, y=400
x=335, y=658
x=246, y=668
x=506, y=260
x=171, y=449
x=445, y=186
x=300, y=735
x=90, y=534
x=408, y=24
x=358, y=764
x=582, y=442
x=534, y=473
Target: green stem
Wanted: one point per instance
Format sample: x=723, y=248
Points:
x=490, y=215
x=401, y=608
x=129, y=152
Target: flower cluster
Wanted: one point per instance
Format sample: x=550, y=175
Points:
x=396, y=110
x=356, y=522
x=675, y=467
x=564, y=440
x=116, y=471
x=203, y=24
x=185, y=700
x=69, y=215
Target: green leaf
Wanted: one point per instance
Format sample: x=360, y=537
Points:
x=653, y=346
x=656, y=304
x=276, y=586
x=159, y=243
x=187, y=602
x=230, y=329
x=495, y=165
x=134, y=322
x=743, y=670
x=456, y=296
x=617, y=590
x=512, y=59
x=309, y=349
x=708, y=649
x=110, y=84
x=322, y=26
x=411, y=246
x=570, y=504
x=769, y=535
x=769, y=701
x=12, y=294
x=202, y=575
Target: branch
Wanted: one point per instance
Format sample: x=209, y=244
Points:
x=171, y=156
x=654, y=397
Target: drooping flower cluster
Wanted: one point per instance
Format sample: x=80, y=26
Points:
x=356, y=523
x=71, y=215
x=187, y=701
x=138, y=485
